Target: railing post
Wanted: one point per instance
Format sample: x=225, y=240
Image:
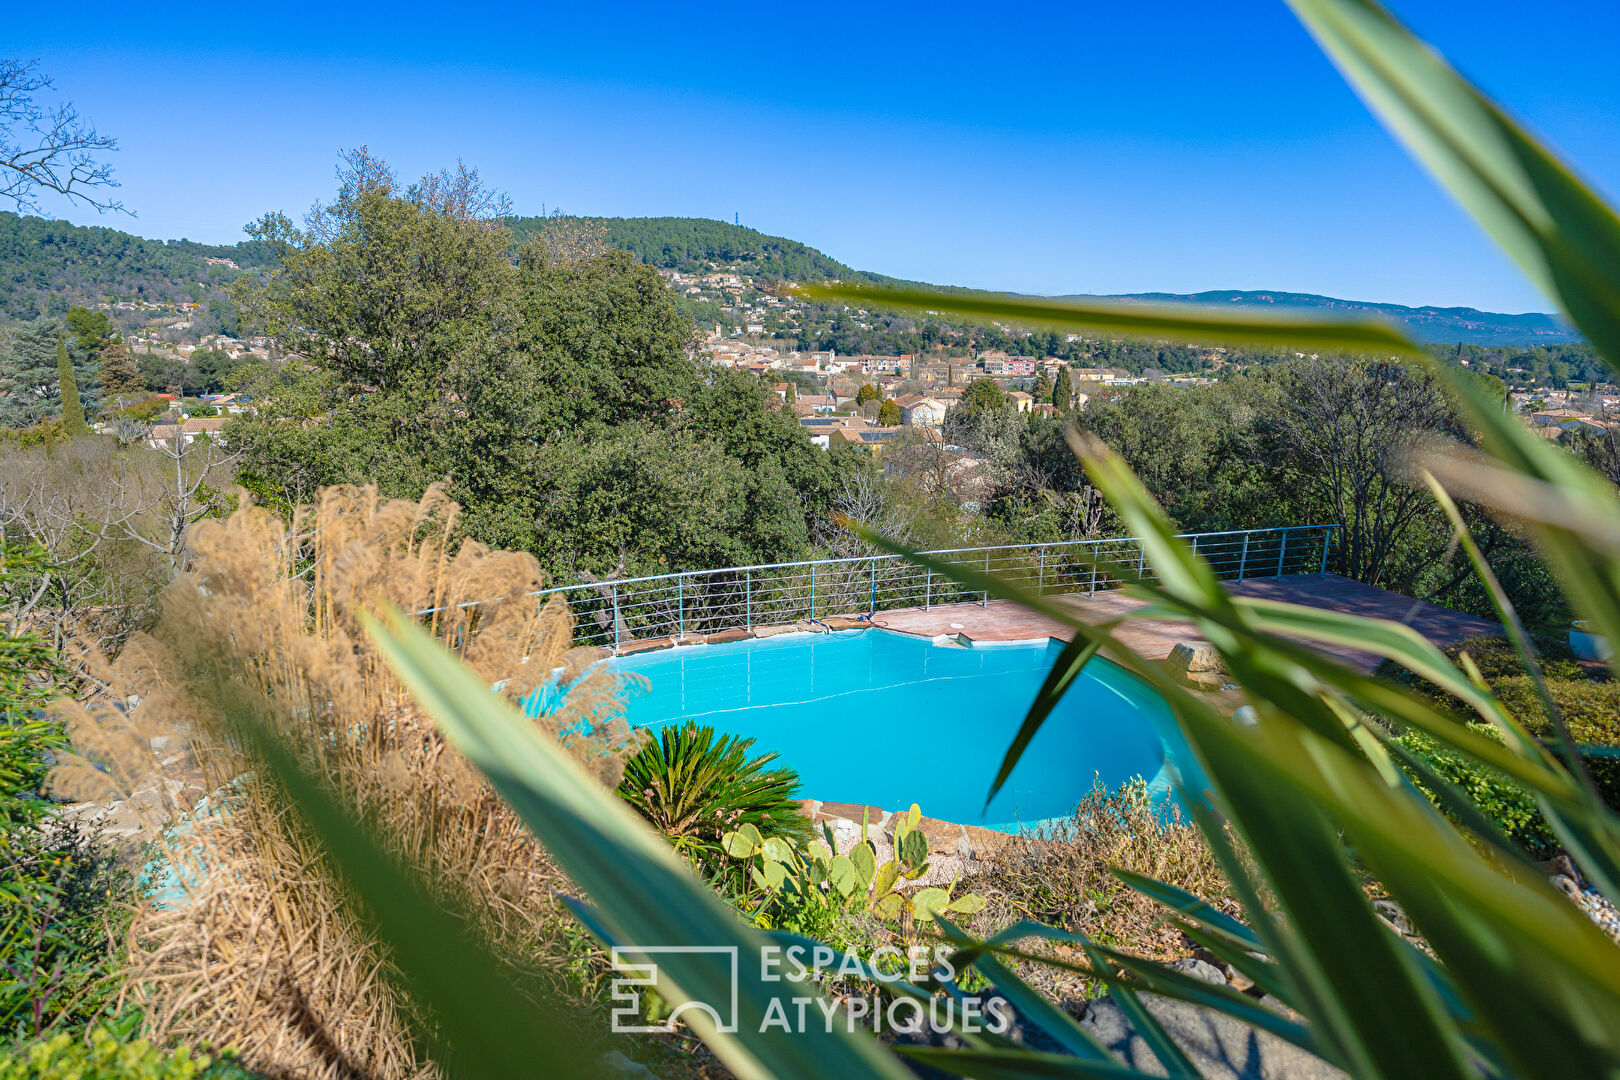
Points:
x=928, y=588
x=680, y=601
x=1093, y=591
x=615, y=590
x=748, y=599
x=1243, y=564
x=1040, y=580
x=872, y=607
x=1326, y=535
x=984, y=600
x=812, y=592
x=1282, y=550
x=1141, y=557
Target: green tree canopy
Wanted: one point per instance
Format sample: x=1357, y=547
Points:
x=1063, y=390
x=559, y=396
x=119, y=375
x=31, y=373
x=982, y=394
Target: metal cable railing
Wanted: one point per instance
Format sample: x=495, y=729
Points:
x=702, y=602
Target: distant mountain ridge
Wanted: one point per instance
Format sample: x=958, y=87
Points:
x=1427, y=324
x=46, y=265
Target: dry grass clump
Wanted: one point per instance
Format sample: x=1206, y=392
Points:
x=1060, y=876
x=263, y=954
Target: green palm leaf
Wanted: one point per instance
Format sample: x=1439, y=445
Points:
x=1180, y=322
x=1564, y=238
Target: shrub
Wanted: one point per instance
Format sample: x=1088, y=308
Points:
x=694, y=787
x=1591, y=709
x=1511, y=806
x=59, y=928
x=30, y=677
x=102, y=1056
x=1590, y=706
x=1063, y=876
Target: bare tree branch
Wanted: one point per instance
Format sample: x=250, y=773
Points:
x=48, y=148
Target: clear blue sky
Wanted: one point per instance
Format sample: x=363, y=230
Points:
x=1084, y=146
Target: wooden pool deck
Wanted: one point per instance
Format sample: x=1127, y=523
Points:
x=1001, y=620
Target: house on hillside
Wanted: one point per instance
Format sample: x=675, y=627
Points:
x=870, y=438
x=163, y=435
x=920, y=410
x=1021, y=401
x=1555, y=417
x=821, y=428
x=816, y=404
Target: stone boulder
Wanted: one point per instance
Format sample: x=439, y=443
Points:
x=1196, y=664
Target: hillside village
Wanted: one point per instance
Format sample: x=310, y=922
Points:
x=759, y=328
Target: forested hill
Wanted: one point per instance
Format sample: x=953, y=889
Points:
x=678, y=243
x=47, y=266
x=1428, y=324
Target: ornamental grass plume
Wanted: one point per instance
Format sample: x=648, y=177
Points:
x=243, y=938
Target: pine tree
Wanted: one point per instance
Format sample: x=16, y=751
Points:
x=29, y=373
x=1063, y=390
x=72, y=411
x=119, y=375
x=889, y=414
x=792, y=394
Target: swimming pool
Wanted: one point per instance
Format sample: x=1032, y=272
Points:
x=886, y=719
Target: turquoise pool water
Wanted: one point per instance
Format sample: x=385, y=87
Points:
x=888, y=719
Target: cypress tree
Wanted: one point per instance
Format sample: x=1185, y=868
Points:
x=72, y=410
x=1063, y=390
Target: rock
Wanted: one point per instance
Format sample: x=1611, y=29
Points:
x=1221, y=1048
x=1237, y=980
x=1201, y=970
x=1196, y=663
x=1195, y=657
x=844, y=622
x=1567, y=886
x=616, y=1064
x=1561, y=864
x=1392, y=914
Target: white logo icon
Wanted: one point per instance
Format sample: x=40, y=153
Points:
x=641, y=971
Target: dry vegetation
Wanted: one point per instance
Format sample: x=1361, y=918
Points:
x=255, y=947
x=1062, y=877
